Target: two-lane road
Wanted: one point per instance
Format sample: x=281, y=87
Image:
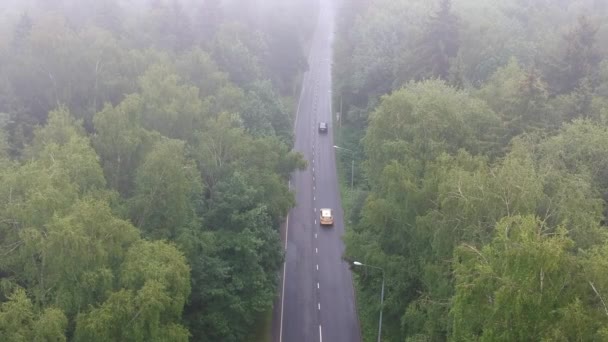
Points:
x=317, y=298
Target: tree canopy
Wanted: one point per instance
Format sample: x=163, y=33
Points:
x=483, y=192
x=145, y=149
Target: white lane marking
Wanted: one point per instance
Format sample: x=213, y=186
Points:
x=296, y=122
x=284, y=270
x=317, y=267
x=317, y=285
x=314, y=198
x=316, y=250
x=315, y=210
x=320, y=334
x=315, y=235
x=313, y=169
x=319, y=306
x=314, y=187
x=315, y=222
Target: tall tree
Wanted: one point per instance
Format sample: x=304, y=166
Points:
x=439, y=43
x=168, y=191
x=523, y=285
x=20, y=321
x=581, y=56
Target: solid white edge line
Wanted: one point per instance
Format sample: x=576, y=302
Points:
x=284, y=270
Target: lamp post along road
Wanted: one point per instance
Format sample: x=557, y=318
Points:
x=352, y=165
x=356, y=263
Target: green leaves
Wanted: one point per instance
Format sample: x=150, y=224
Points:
x=159, y=132
x=131, y=316
x=19, y=321
x=519, y=286
x=168, y=106
x=423, y=120
x=167, y=191
x=162, y=267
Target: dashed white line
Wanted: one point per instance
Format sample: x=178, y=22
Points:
x=315, y=222
x=314, y=198
x=319, y=306
x=315, y=235
x=320, y=334
x=315, y=210
x=317, y=267
x=316, y=250
x=317, y=285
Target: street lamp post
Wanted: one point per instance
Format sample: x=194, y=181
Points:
x=356, y=263
x=352, y=165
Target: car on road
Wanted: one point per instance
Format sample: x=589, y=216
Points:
x=322, y=127
x=327, y=217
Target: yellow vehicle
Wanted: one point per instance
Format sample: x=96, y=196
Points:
x=327, y=217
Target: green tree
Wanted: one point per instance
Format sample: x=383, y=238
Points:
x=264, y=115
x=419, y=122
x=155, y=282
x=581, y=57
x=170, y=107
x=19, y=321
x=439, y=44
x=523, y=285
x=238, y=264
x=167, y=191
x=233, y=55
x=520, y=98
x=121, y=142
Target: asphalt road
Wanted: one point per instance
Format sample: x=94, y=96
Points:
x=317, y=302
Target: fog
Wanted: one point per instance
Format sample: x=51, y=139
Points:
x=147, y=149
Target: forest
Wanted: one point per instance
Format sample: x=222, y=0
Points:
x=481, y=131
x=145, y=148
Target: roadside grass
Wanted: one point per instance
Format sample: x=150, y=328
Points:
x=345, y=138
x=351, y=201
x=264, y=330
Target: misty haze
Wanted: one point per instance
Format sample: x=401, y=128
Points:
x=303, y=170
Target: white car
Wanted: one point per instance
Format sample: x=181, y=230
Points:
x=327, y=217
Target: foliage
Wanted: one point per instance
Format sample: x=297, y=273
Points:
x=485, y=191
x=145, y=149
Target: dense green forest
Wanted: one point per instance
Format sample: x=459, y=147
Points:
x=482, y=167
x=145, y=148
